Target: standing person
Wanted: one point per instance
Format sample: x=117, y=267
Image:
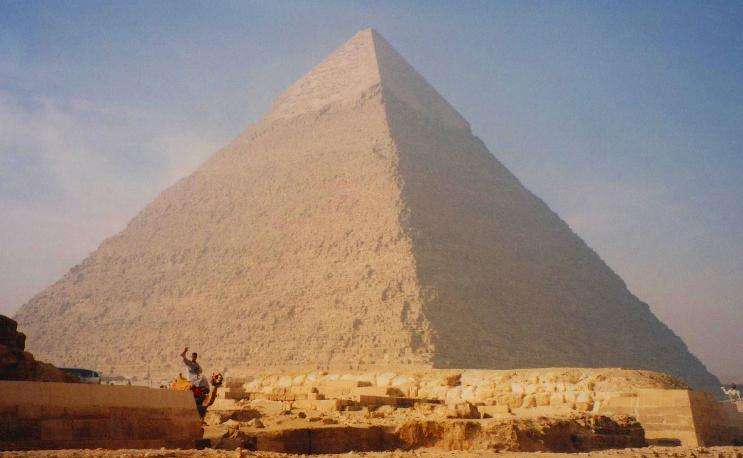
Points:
x=199, y=384
x=194, y=369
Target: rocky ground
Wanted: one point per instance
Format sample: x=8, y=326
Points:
x=721, y=452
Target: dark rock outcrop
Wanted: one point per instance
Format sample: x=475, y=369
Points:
x=17, y=364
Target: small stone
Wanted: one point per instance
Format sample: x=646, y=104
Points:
x=463, y=410
x=453, y=380
x=256, y=423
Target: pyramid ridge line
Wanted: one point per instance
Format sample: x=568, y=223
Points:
x=354, y=68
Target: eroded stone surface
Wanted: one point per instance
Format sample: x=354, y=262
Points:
x=359, y=223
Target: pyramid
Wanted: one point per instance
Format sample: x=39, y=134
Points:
x=360, y=222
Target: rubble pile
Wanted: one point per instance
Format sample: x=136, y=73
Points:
x=520, y=410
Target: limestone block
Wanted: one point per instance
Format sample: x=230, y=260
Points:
x=454, y=395
x=474, y=378
x=517, y=388
x=584, y=406
x=462, y=410
x=302, y=389
x=370, y=401
x=327, y=405
x=235, y=395
x=284, y=381
x=502, y=387
x=234, y=382
x=37, y=411
x=494, y=411
x=269, y=407
x=557, y=399
x=504, y=378
x=344, y=383
x=452, y=380
x=224, y=404
x=512, y=400
x=468, y=393
x=56, y=429
x=269, y=380
x=542, y=399
x=369, y=378
x=329, y=392
x=385, y=378
x=376, y=391
x=529, y=401
x=383, y=411
x=623, y=404
x=440, y=392
x=483, y=393
x=403, y=380
x=425, y=392
x=662, y=398
x=253, y=386
x=409, y=390
x=213, y=418
x=550, y=377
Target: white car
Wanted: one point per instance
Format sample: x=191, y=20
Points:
x=85, y=375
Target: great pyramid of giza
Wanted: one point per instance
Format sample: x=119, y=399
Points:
x=360, y=222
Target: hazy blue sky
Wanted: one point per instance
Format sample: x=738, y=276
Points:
x=625, y=117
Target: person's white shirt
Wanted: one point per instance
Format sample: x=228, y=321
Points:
x=194, y=370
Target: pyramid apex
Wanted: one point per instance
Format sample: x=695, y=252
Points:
x=368, y=31
x=346, y=74
x=363, y=63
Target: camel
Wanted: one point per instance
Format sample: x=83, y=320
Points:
x=203, y=397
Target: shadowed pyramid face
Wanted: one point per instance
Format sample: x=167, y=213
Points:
x=359, y=222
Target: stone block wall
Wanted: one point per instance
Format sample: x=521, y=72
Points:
x=666, y=408
x=716, y=423
x=570, y=388
x=38, y=415
x=675, y=416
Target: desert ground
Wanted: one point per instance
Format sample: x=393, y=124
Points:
x=719, y=452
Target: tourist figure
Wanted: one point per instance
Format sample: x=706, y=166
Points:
x=194, y=369
x=199, y=384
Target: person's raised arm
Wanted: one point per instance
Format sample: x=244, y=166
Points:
x=183, y=355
